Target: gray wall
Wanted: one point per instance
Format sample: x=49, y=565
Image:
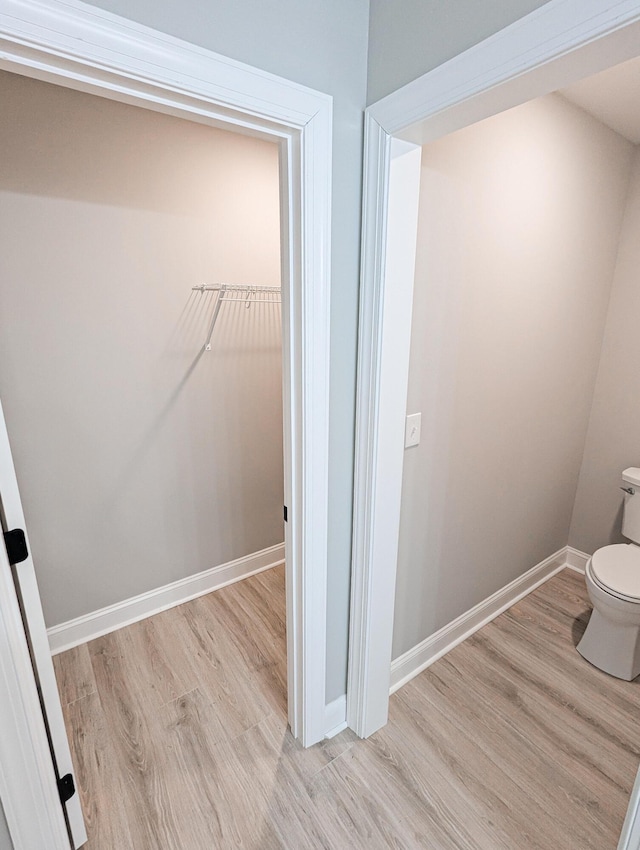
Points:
x=140, y=459
x=407, y=38
x=5, y=838
x=324, y=46
x=613, y=438
x=519, y=224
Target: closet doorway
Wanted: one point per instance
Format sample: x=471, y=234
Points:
x=89, y=350
x=154, y=288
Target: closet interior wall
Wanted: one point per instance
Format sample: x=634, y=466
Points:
x=142, y=459
x=519, y=228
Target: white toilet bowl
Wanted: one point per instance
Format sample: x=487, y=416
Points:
x=611, y=641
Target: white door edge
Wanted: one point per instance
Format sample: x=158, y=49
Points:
x=32, y=610
x=28, y=786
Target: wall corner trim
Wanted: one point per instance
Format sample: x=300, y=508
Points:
x=97, y=623
x=425, y=653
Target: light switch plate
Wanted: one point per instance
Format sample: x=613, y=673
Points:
x=412, y=430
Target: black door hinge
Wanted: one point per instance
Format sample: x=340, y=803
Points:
x=66, y=788
x=285, y=513
x=16, y=544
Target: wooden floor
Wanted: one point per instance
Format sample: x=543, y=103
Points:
x=179, y=736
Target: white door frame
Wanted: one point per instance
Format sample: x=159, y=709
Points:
x=82, y=47
x=559, y=43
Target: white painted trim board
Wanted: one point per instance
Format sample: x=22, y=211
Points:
x=89, y=626
x=379, y=543
x=424, y=654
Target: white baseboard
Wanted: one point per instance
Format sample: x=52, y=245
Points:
x=576, y=560
x=421, y=656
x=90, y=626
x=335, y=716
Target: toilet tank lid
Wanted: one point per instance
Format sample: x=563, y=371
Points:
x=632, y=475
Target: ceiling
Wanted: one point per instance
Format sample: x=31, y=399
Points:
x=613, y=97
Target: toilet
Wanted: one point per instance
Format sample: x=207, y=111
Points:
x=611, y=641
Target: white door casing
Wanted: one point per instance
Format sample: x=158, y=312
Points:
x=69, y=43
x=557, y=44
x=392, y=316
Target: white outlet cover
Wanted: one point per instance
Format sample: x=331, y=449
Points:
x=412, y=430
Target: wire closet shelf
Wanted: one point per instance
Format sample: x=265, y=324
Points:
x=240, y=294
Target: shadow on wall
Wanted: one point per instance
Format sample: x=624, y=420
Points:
x=246, y=337
x=146, y=440
x=242, y=374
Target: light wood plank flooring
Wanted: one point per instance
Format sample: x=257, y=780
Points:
x=510, y=742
